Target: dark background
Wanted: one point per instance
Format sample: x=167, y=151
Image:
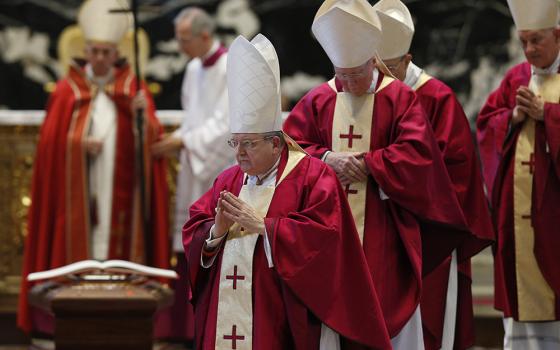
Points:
x=466, y=43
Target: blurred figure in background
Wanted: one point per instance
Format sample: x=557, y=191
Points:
x=85, y=189
x=200, y=141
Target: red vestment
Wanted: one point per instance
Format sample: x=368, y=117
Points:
x=405, y=163
x=452, y=132
x=319, y=274
x=59, y=217
x=497, y=143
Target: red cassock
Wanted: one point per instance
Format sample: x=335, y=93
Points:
x=404, y=161
x=497, y=143
x=452, y=132
x=59, y=217
x=319, y=274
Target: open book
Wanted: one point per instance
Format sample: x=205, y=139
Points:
x=105, y=267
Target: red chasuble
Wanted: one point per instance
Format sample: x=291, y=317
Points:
x=452, y=132
x=404, y=161
x=497, y=143
x=319, y=274
x=59, y=223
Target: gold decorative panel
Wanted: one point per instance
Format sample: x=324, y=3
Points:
x=17, y=150
x=16, y=166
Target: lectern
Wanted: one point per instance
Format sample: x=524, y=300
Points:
x=105, y=315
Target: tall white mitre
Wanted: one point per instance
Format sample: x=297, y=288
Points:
x=253, y=80
x=99, y=25
x=534, y=14
x=348, y=30
x=398, y=28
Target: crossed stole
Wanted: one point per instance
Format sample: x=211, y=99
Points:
x=535, y=297
x=234, y=328
x=351, y=132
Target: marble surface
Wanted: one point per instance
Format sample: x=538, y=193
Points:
x=466, y=43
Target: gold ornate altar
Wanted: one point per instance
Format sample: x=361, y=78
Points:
x=19, y=132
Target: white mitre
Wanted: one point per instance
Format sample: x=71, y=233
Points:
x=534, y=14
x=253, y=80
x=398, y=28
x=100, y=25
x=348, y=30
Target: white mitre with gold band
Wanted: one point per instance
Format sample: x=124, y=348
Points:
x=100, y=25
x=398, y=28
x=348, y=30
x=534, y=14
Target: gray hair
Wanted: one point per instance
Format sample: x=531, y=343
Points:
x=278, y=134
x=201, y=21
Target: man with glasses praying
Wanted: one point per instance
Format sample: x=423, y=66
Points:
x=448, y=324
x=274, y=257
x=372, y=131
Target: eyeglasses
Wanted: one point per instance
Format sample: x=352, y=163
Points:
x=246, y=144
x=351, y=76
x=393, y=67
x=354, y=76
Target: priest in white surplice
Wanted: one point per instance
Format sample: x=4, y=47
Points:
x=200, y=139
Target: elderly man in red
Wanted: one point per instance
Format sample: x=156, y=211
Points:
x=274, y=257
x=518, y=133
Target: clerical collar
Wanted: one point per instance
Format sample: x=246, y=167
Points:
x=98, y=80
x=413, y=73
x=212, y=56
x=553, y=69
x=371, y=89
x=266, y=178
x=213, y=49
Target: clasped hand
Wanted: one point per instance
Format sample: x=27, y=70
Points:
x=527, y=105
x=231, y=209
x=350, y=167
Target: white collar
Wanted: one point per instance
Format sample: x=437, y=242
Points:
x=267, y=178
x=371, y=89
x=98, y=80
x=413, y=73
x=215, y=46
x=553, y=69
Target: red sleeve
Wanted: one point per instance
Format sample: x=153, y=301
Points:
x=45, y=240
x=307, y=124
x=453, y=135
x=410, y=169
x=552, y=127
x=493, y=123
x=317, y=253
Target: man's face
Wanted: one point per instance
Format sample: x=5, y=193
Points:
x=256, y=154
x=191, y=45
x=357, y=80
x=101, y=57
x=541, y=47
x=398, y=66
